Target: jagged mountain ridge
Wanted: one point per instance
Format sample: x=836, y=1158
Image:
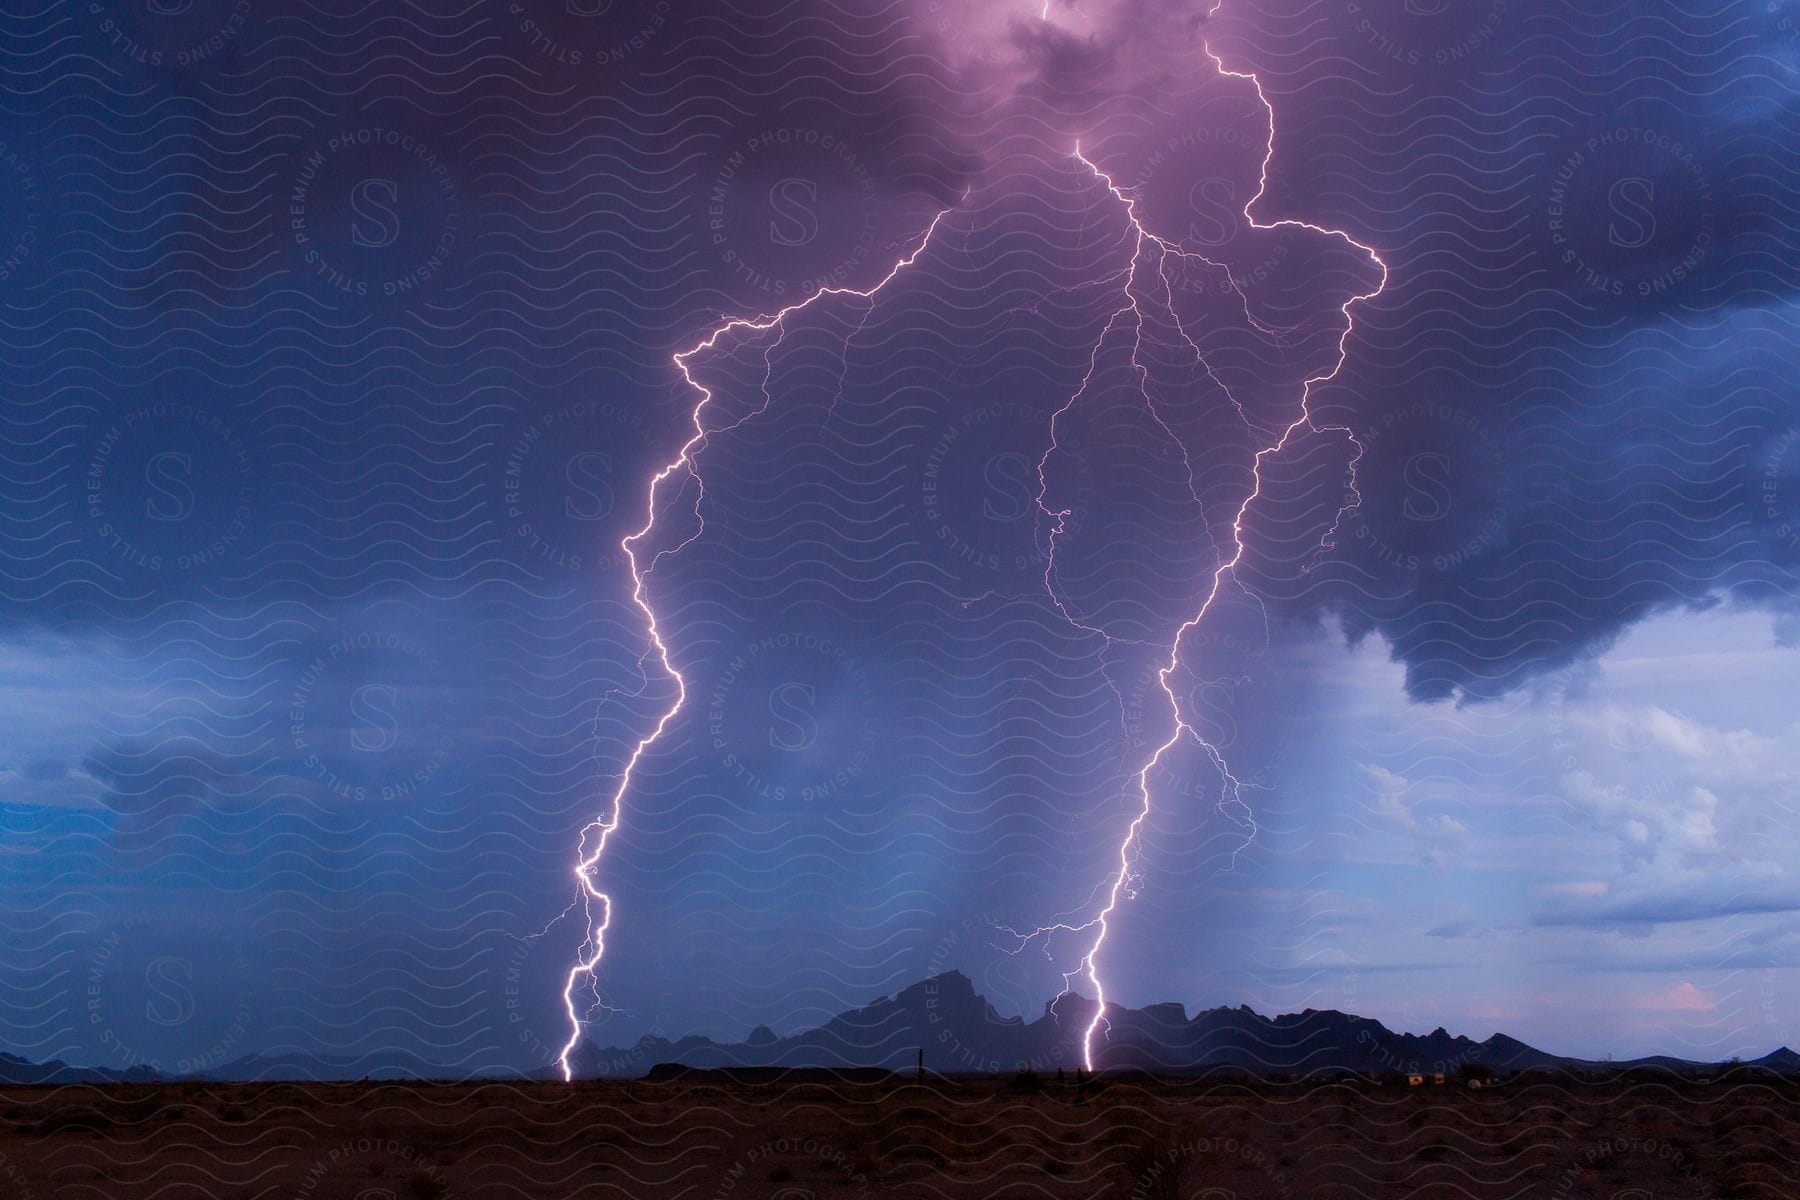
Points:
x=961, y=1033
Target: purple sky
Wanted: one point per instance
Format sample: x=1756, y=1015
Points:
x=339, y=355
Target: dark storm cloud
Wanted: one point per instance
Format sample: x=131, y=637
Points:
x=357, y=325
x=1671, y=484
x=1576, y=395
x=237, y=356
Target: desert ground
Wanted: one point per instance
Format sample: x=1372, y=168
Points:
x=700, y=1139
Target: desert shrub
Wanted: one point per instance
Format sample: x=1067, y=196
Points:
x=1027, y=1081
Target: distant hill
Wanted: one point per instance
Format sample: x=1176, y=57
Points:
x=14, y=1069
x=1783, y=1060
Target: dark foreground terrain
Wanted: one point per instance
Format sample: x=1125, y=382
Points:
x=702, y=1138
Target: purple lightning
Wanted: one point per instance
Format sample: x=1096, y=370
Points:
x=1155, y=252
x=592, y=844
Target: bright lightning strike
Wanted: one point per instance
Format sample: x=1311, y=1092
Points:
x=592, y=844
x=1154, y=253
x=1149, y=251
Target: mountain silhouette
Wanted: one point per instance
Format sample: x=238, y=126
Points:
x=14, y=1069
x=960, y=1033
x=1783, y=1060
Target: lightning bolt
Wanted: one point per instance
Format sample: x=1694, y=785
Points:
x=592, y=844
x=1155, y=253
